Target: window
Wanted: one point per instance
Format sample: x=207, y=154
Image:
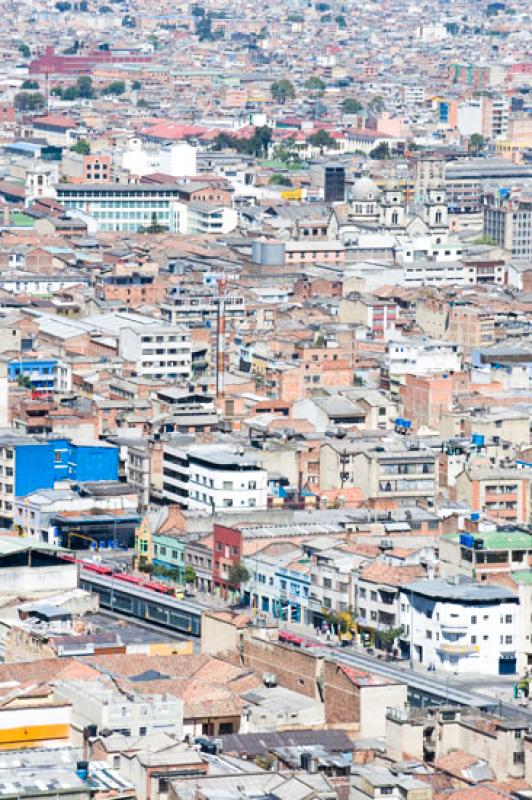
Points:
x=519, y=758
x=163, y=785
x=508, y=639
x=143, y=731
x=116, y=762
x=473, y=640
x=473, y=620
x=374, y=596
x=508, y=619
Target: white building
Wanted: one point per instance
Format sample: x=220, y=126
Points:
x=178, y=160
x=160, y=352
x=461, y=626
x=199, y=218
x=100, y=703
x=213, y=477
x=422, y=356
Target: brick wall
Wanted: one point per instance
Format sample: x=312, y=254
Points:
x=342, y=697
x=297, y=670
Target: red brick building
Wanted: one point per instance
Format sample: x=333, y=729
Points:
x=227, y=545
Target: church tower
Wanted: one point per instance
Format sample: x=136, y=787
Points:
x=435, y=209
x=393, y=209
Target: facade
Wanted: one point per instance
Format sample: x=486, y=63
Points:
x=122, y=207
x=501, y=493
x=227, y=551
x=169, y=552
x=385, y=475
x=212, y=478
x=29, y=463
x=485, y=553
x=160, y=352
x=508, y=221
x=460, y=626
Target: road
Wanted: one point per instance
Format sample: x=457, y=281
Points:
x=450, y=689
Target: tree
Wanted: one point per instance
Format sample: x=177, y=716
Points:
x=315, y=86
x=190, y=574
x=29, y=85
x=136, y=85
x=105, y=9
x=322, y=7
x=388, y=637
x=477, y=143
x=351, y=106
x=29, y=101
x=280, y=180
x=340, y=21
x=282, y=90
x=323, y=140
x=114, y=88
x=287, y=153
x=84, y=87
x=82, y=147
x=376, y=103
x=381, y=152
x=24, y=50
x=63, y=6
x=238, y=574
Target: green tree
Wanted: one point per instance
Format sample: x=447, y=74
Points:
x=114, y=88
x=282, y=90
x=238, y=574
x=63, y=6
x=24, y=50
x=136, y=85
x=190, y=574
x=142, y=103
x=29, y=85
x=381, y=152
x=295, y=18
x=389, y=636
x=280, y=180
x=323, y=140
x=197, y=10
x=287, y=153
x=315, y=86
x=477, y=143
x=29, y=101
x=376, y=103
x=322, y=7
x=351, y=106
x=82, y=147
x=340, y=21
x=105, y=9
x=84, y=87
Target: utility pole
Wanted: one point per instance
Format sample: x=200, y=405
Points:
x=220, y=338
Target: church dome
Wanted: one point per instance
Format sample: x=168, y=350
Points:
x=365, y=189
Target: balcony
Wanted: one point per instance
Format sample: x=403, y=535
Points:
x=458, y=649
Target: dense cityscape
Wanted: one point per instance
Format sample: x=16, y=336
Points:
x=265, y=400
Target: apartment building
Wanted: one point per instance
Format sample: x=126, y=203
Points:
x=213, y=477
x=101, y=703
x=376, y=594
x=379, y=316
x=501, y=493
x=485, y=553
x=461, y=626
x=331, y=589
x=508, y=221
x=197, y=307
x=159, y=352
x=387, y=472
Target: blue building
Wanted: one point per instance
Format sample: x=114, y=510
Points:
x=40, y=373
x=30, y=463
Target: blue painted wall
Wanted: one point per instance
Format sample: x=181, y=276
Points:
x=38, y=466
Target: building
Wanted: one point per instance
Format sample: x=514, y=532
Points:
x=508, y=221
x=387, y=473
x=379, y=316
x=461, y=626
x=159, y=352
x=227, y=552
x=334, y=183
x=501, y=493
x=212, y=477
x=29, y=568
x=485, y=553
x=29, y=463
x=123, y=206
x=99, y=702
